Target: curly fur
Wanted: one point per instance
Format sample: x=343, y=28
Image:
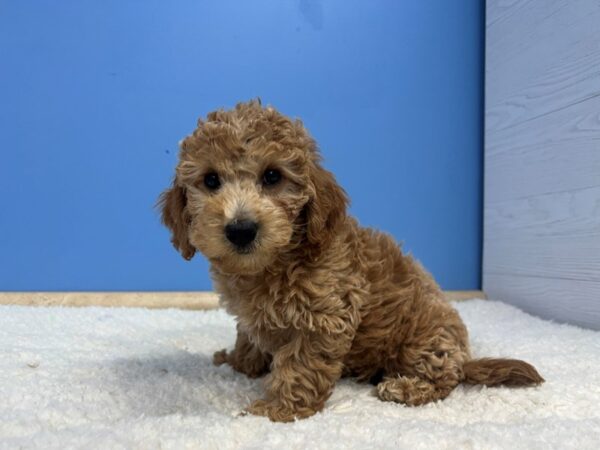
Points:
x=318, y=297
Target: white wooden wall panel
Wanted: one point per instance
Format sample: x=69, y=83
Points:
x=557, y=299
x=542, y=157
x=552, y=236
x=567, y=140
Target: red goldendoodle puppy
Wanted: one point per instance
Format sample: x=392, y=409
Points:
x=315, y=295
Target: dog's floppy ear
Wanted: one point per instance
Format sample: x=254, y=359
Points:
x=326, y=207
x=175, y=216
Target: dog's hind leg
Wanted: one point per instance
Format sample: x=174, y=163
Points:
x=424, y=376
x=430, y=358
x=411, y=390
x=431, y=376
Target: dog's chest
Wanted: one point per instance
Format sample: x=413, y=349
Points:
x=267, y=309
x=269, y=324
x=271, y=309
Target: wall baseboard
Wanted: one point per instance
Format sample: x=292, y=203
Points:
x=155, y=300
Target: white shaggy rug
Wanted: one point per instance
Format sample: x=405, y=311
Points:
x=135, y=378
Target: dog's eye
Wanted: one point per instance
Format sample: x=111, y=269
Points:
x=211, y=181
x=271, y=177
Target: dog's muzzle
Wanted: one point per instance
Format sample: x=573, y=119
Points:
x=241, y=233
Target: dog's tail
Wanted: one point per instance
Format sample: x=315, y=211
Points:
x=496, y=371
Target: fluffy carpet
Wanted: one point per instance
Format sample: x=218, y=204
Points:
x=135, y=378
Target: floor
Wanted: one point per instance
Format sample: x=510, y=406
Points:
x=138, y=378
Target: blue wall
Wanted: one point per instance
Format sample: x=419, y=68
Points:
x=95, y=95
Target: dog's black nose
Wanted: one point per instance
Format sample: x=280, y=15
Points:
x=241, y=233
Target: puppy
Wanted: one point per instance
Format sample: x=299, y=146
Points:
x=315, y=295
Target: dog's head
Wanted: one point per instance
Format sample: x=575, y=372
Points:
x=249, y=187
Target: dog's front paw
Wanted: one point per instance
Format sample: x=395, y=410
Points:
x=220, y=357
x=273, y=410
x=278, y=412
